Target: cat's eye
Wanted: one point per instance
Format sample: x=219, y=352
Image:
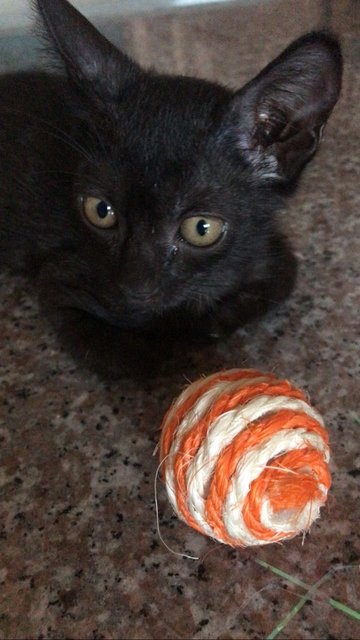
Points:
x=202, y=231
x=99, y=212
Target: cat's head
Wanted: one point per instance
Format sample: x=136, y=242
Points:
x=178, y=178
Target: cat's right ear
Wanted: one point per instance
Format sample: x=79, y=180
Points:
x=91, y=61
x=276, y=120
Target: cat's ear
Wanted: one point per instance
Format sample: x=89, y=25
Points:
x=277, y=119
x=90, y=60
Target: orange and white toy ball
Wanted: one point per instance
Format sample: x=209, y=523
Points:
x=245, y=458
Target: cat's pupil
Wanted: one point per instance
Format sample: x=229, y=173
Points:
x=202, y=227
x=102, y=209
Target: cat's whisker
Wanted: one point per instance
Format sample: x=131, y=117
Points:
x=55, y=132
x=22, y=185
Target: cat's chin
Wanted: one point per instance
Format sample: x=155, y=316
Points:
x=113, y=353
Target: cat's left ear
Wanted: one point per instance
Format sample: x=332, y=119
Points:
x=276, y=120
x=91, y=61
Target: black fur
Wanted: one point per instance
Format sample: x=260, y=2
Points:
x=158, y=148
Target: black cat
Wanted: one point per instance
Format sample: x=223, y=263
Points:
x=144, y=204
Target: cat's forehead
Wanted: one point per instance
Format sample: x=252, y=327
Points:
x=167, y=118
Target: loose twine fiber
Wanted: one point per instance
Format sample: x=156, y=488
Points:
x=245, y=458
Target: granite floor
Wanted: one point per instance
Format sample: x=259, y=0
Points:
x=80, y=552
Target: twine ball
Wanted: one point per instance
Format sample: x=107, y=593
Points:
x=245, y=458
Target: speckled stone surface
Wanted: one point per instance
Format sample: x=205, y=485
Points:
x=80, y=553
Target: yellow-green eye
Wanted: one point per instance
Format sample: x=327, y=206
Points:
x=99, y=212
x=202, y=231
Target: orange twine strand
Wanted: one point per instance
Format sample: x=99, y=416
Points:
x=291, y=482
x=168, y=429
x=230, y=456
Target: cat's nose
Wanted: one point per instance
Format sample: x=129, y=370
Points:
x=143, y=270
